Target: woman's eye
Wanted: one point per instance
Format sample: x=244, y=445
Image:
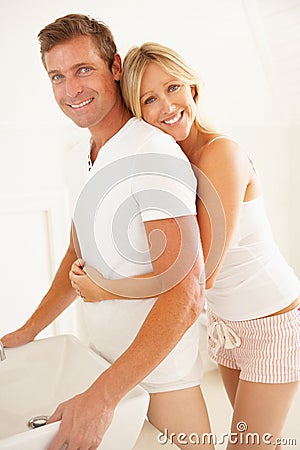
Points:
x=149, y=100
x=174, y=87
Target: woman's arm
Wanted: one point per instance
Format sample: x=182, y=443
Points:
x=226, y=178
x=93, y=287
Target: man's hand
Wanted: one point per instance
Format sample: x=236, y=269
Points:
x=84, y=420
x=19, y=337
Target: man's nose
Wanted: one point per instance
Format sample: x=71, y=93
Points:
x=73, y=87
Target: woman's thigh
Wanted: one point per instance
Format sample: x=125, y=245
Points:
x=231, y=380
x=182, y=414
x=260, y=411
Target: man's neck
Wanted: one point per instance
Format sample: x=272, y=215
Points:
x=102, y=132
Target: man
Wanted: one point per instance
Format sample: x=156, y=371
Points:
x=81, y=59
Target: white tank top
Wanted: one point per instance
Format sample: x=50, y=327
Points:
x=254, y=279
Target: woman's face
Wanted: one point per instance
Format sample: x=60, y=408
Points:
x=166, y=102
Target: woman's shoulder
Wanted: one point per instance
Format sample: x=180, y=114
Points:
x=220, y=150
x=218, y=142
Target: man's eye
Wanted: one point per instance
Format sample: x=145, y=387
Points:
x=57, y=78
x=149, y=100
x=85, y=70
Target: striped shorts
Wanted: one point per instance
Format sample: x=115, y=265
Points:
x=265, y=350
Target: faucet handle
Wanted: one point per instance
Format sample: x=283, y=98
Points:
x=2, y=352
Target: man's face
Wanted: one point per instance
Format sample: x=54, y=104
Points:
x=83, y=86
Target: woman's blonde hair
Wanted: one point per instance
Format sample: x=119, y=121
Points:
x=135, y=63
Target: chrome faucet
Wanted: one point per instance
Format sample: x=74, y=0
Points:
x=2, y=352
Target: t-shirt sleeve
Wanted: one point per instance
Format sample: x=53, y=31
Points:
x=163, y=183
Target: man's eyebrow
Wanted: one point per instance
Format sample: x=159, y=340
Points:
x=52, y=72
x=76, y=66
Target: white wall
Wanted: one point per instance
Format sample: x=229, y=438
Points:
x=295, y=200
x=36, y=139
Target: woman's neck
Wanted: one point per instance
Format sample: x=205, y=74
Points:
x=196, y=139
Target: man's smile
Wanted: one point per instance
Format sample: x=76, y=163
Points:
x=82, y=104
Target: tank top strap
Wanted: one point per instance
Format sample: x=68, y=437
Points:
x=219, y=137
x=228, y=137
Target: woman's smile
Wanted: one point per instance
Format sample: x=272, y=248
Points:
x=173, y=120
x=167, y=102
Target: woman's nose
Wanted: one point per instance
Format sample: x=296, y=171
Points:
x=168, y=106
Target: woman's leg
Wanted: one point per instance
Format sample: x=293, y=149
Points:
x=181, y=411
x=231, y=380
x=260, y=409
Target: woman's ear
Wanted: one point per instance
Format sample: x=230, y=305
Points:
x=193, y=91
x=116, y=67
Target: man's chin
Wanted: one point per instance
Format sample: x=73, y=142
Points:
x=81, y=123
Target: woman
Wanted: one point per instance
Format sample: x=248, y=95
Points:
x=252, y=294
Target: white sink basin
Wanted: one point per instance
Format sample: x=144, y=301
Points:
x=38, y=376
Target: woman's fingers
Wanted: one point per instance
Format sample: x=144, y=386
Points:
x=77, y=268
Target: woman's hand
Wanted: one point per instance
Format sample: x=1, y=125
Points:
x=93, y=287
x=83, y=284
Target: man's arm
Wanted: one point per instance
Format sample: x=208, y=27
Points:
x=86, y=417
x=58, y=298
x=176, y=309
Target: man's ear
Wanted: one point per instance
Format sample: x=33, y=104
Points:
x=116, y=67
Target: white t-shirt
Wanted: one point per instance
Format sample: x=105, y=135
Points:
x=140, y=174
